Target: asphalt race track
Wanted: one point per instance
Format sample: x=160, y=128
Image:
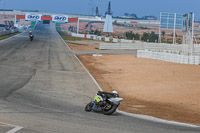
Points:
x=44, y=89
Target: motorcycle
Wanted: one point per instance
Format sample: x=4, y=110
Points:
x=31, y=37
x=104, y=102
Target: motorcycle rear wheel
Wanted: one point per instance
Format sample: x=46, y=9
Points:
x=89, y=106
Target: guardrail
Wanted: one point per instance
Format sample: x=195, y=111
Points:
x=88, y=36
x=95, y=37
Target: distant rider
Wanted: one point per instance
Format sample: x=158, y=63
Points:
x=31, y=35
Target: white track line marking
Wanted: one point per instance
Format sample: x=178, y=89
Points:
x=14, y=130
x=151, y=118
x=144, y=117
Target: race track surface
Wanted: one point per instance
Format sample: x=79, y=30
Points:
x=44, y=89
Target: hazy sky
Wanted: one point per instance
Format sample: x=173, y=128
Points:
x=119, y=7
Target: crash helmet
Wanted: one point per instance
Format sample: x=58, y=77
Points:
x=114, y=92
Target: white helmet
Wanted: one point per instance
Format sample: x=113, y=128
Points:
x=114, y=92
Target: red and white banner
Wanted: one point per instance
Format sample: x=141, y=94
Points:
x=60, y=18
x=33, y=17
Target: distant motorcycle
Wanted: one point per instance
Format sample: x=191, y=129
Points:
x=31, y=37
x=104, y=102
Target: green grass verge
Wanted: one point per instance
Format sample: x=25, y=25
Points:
x=9, y=35
x=32, y=25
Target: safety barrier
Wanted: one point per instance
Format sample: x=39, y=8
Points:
x=125, y=41
x=169, y=57
x=115, y=40
x=95, y=37
x=77, y=35
x=107, y=39
x=2, y=33
x=180, y=49
x=160, y=47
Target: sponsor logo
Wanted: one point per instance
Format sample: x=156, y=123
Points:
x=60, y=18
x=33, y=17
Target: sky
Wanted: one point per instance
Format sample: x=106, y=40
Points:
x=118, y=7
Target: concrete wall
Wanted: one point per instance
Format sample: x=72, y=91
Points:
x=77, y=35
x=169, y=57
x=170, y=48
x=2, y=33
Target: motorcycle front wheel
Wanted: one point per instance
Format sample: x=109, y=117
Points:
x=89, y=106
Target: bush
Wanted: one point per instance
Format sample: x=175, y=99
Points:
x=149, y=37
x=97, y=32
x=130, y=35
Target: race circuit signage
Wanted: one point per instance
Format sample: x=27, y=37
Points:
x=33, y=17
x=57, y=18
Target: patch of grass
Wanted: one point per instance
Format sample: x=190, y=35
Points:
x=9, y=35
x=71, y=38
x=32, y=24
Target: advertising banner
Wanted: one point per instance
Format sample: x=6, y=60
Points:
x=33, y=17
x=171, y=21
x=60, y=18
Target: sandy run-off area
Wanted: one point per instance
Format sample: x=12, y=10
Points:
x=165, y=90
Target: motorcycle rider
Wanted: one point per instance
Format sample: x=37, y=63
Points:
x=31, y=35
x=30, y=32
x=105, y=102
x=106, y=95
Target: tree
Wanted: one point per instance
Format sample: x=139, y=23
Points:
x=129, y=35
x=173, y=35
x=163, y=34
x=153, y=37
x=97, y=32
x=145, y=36
x=137, y=36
